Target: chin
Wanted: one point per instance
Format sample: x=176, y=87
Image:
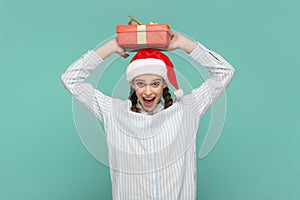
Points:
x=149, y=109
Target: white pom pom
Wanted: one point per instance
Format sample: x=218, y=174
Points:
x=178, y=93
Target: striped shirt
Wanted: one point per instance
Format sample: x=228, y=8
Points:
x=151, y=156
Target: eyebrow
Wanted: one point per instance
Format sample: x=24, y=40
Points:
x=157, y=79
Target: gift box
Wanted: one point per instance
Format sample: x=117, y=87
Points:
x=134, y=37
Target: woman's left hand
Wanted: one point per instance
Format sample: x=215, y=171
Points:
x=179, y=41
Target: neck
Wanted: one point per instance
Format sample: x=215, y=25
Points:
x=159, y=107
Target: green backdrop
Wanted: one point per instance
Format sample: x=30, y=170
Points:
x=257, y=156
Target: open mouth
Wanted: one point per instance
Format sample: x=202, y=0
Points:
x=149, y=101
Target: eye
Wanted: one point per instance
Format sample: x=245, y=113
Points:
x=156, y=84
x=139, y=84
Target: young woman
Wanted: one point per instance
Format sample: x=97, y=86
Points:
x=151, y=137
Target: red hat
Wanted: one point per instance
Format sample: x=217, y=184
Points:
x=152, y=61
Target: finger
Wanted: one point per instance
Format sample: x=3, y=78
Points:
x=172, y=35
x=122, y=52
x=169, y=48
x=124, y=55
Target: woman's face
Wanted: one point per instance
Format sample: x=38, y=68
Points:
x=149, y=89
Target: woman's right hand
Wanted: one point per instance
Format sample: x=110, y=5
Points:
x=109, y=48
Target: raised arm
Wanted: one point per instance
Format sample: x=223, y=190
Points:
x=221, y=73
x=74, y=79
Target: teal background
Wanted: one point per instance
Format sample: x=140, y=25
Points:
x=257, y=156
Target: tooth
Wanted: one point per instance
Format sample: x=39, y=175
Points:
x=149, y=98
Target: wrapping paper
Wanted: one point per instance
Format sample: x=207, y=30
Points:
x=134, y=37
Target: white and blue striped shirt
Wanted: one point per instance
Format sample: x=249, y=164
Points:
x=151, y=156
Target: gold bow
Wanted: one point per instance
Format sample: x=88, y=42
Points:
x=133, y=20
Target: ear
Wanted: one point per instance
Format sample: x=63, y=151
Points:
x=132, y=85
x=164, y=85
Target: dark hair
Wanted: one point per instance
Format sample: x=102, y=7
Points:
x=134, y=99
x=167, y=97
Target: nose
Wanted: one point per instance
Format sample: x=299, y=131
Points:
x=148, y=90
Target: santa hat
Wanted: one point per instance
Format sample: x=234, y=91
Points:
x=152, y=61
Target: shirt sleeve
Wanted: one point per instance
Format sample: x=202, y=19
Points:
x=221, y=73
x=74, y=80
